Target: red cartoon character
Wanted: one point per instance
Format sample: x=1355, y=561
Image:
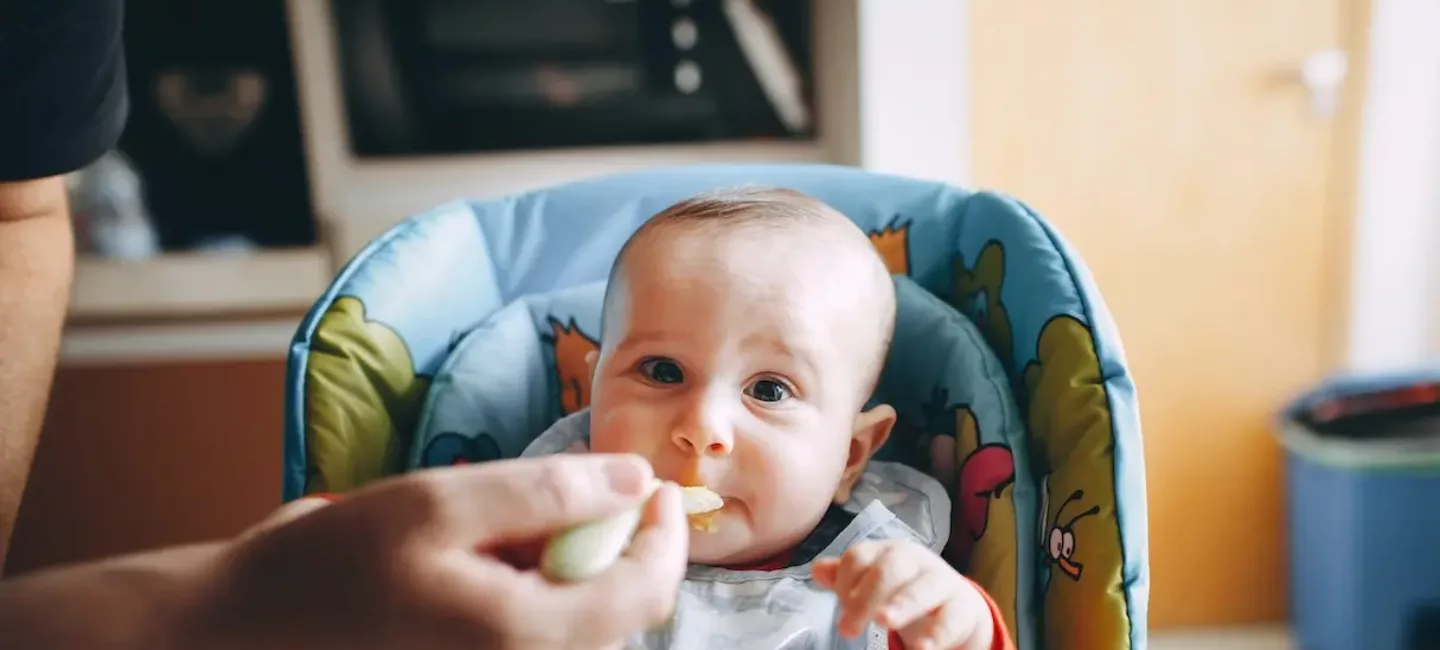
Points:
x=981, y=478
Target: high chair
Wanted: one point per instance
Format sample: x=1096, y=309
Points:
x=460, y=334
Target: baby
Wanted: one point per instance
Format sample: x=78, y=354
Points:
x=743, y=333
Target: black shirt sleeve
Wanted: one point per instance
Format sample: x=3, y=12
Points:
x=63, y=99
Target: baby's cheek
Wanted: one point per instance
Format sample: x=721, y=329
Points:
x=786, y=490
x=617, y=433
x=611, y=440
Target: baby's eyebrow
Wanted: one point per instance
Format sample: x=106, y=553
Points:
x=641, y=337
x=798, y=356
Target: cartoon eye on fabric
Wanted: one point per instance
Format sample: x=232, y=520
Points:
x=1062, y=537
x=979, y=308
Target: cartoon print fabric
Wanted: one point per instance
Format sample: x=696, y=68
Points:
x=959, y=421
x=511, y=378
x=366, y=400
x=1080, y=538
x=572, y=347
x=462, y=334
x=1070, y=426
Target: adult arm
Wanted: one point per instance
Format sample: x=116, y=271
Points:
x=36, y=265
x=138, y=601
x=63, y=84
x=437, y=559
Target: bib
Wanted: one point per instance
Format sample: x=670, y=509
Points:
x=785, y=609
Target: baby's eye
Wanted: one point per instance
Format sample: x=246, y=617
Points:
x=662, y=371
x=768, y=390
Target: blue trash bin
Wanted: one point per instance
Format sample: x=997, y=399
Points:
x=1364, y=523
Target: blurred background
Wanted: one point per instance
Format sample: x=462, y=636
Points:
x=1253, y=183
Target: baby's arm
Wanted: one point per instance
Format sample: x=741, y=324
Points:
x=903, y=586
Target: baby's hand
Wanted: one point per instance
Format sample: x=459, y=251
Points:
x=904, y=587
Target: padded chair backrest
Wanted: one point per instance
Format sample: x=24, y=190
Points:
x=1074, y=524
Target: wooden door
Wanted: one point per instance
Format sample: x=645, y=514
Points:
x=1171, y=142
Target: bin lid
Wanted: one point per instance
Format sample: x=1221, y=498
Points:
x=1377, y=420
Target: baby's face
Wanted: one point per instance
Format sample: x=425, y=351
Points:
x=739, y=362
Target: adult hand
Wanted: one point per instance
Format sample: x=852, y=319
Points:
x=438, y=559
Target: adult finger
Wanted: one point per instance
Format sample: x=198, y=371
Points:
x=639, y=591
x=286, y=514
x=493, y=503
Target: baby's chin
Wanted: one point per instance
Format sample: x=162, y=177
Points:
x=727, y=537
x=732, y=543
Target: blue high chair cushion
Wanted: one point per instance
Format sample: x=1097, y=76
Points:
x=1056, y=518
x=510, y=378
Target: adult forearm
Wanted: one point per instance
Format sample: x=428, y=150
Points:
x=36, y=268
x=139, y=602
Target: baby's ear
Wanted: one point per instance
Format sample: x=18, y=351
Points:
x=872, y=429
x=590, y=358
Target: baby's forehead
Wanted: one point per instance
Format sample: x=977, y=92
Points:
x=662, y=242
x=805, y=276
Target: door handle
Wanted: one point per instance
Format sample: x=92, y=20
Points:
x=1323, y=74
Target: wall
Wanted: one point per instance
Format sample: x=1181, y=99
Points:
x=1395, y=304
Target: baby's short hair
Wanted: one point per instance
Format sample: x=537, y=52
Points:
x=746, y=204
x=764, y=206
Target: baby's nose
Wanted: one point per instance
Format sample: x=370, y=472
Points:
x=701, y=443
x=704, y=433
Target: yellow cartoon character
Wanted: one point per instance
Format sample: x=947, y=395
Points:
x=982, y=533
x=977, y=295
x=361, y=402
x=1069, y=424
x=893, y=244
x=572, y=347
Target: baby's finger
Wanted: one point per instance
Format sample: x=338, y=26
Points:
x=823, y=571
x=919, y=597
x=942, y=629
x=853, y=565
x=892, y=572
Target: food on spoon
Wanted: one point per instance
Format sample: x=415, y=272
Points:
x=701, y=507
x=586, y=550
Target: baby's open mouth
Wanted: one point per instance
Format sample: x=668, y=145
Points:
x=701, y=506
